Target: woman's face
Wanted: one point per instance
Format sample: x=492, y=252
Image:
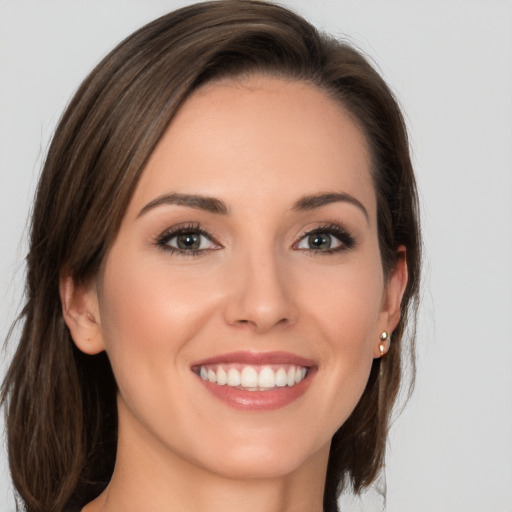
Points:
x=242, y=300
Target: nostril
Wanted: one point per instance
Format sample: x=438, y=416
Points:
x=244, y=323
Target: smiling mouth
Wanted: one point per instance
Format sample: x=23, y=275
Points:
x=252, y=377
x=256, y=381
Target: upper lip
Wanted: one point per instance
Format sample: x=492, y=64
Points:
x=256, y=358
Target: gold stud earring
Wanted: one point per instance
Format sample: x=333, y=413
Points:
x=384, y=336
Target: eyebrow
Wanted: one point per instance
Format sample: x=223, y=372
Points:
x=214, y=205
x=209, y=204
x=318, y=200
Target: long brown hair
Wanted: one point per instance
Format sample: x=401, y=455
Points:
x=60, y=403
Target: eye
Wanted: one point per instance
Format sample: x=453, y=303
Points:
x=319, y=242
x=327, y=239
x=186, y=240
x=190, y=242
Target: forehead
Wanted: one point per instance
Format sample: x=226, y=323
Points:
x=259, y=138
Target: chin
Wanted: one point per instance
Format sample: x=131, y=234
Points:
x=264, y=458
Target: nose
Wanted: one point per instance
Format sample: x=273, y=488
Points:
x=260, y=297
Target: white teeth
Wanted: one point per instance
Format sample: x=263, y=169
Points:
x=254, y=378
x=290, y=378
x=266, y=378
x=249, y=377
x=281, y=377
x=222, y=377
x=233, y=377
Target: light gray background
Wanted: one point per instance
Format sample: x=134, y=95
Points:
x=450, y=64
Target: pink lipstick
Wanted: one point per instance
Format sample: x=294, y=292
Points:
x=256, y=380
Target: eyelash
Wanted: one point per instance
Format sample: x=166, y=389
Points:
x=163, y=240
x=347, y=241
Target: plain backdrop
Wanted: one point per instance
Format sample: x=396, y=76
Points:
x=450, y=64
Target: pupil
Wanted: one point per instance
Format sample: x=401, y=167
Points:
x=320, y=241
x=189, y=241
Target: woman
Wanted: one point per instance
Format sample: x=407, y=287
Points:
x=224, y=256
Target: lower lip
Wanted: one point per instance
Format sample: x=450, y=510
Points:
x=272, y=399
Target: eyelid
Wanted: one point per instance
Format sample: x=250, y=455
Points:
x=343, y=235
x=346, y=240
x=162, y=240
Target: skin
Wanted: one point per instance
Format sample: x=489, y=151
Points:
x=258, y=145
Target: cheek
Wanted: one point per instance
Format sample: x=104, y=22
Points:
x=346, y=309
x=145, y=302
x=346, y=303
x=148, y=315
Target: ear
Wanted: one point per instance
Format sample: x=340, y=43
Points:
x=81, y=314
x=392, y=300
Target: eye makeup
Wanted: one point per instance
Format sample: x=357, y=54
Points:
x=193, y=240
x=326, y=239
x=187, y=240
